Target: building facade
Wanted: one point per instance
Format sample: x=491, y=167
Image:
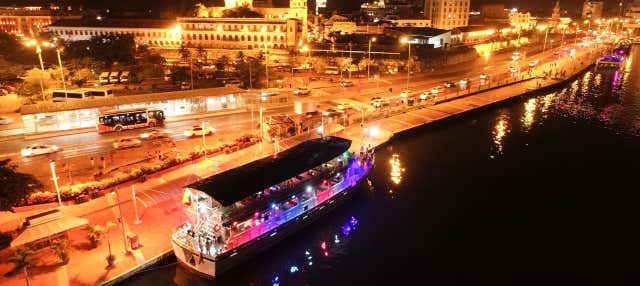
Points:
x=29, y=21
x=153, y=33
x=521, y=21
x=447, y=14
x=592, y=10
x=632, y=15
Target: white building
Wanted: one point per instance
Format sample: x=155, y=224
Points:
x=437, y=38
x=592, y=10
x=521, y=21
x=447, y=14
x=29, y=21
x=154, y=33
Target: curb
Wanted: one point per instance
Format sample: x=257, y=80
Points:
x=136, y=269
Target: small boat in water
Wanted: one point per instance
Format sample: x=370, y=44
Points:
x=609, y=61
x=240, y=212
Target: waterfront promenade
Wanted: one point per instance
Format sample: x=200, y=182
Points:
x=158, y=219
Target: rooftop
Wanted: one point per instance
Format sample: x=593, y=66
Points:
x=421, y=31
x=236, y=184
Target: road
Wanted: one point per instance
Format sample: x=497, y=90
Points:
x=82, y=146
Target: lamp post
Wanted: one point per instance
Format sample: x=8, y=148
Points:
x=135, y=204
x=39, y=52
x=407, y=41
x=204, y=144
x=121, y=219
x=373, y=39
x=52, y=165
x=266, y=62
x=546, y=33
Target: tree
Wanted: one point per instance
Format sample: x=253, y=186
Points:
x=108, y=49
x=222, y=63
x=32, y=78
x=150, y=64
x=201, y=54
x=241, y=12
x=185, y=54
x=9, y=70
x=180, y=74
x=61, y=249
x=15, y=187
x=22, y=258
x=14, y=51
x=94, y=234
x=251, y=71
x=81, y=76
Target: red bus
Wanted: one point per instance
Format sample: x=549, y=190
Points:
x=121, y=119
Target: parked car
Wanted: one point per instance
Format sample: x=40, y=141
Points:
x=197, y=130
x=425, y=95
x=303, y=90
x=155, y=134
x=38, y=149
x=4, y=120
x=346, y=83
x=126, y=143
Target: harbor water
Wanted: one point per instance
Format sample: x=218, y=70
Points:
x=540, y=191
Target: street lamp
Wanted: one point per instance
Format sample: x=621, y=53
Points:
x=121, y=219
x=546, y=33
x=266, y=62
x=58, y=50
x=204, y=144
x=52, y=165
x=373, y=39
x=406, y=40
x=39, y=52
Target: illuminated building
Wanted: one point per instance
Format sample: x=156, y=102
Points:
x=447, y=14
x=632, y=15
x=154, y=33
x=592, y=10
x=29, y=21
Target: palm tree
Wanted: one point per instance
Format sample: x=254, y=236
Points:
x=22, y=258
x=202, y=54
x=185, y=54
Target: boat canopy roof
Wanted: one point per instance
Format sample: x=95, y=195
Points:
x=236, y=184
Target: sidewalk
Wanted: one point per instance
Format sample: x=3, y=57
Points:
x=159, y=199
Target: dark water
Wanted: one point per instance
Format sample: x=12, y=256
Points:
x=538, y=192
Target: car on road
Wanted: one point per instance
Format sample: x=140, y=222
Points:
x=184, y=85
x=197, y=130
x=533, y=63
x=344, y=106
x=404, y=94
x=155, y=134
x=464, y=82
x=126, y=143
x=449, y=84
x=332, y=112
x=303, y=90
x=4, y=120
x=513, y=70
x=484, y=76
x=346, y=83
x=435, y=90
x=38, y=149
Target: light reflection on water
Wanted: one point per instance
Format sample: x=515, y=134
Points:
x=500, y=130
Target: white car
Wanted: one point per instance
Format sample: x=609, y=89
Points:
x=435, y=90
x=404, y=94
x=38, y=149
x=344, y=106
x=155, y=134
x=533, y=63
x=513, y=69
x=4, y=120
x=424, y=95
x=346, y=83
x=483, y=76
x=197, y=130
x=126, y=143
x=303, y=90
x=463, y=82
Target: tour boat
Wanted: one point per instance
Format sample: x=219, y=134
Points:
x=237, y=213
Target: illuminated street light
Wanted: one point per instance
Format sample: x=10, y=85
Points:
x=406, y=40
x=52, y=165
x=373, y=39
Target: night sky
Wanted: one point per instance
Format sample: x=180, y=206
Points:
x=540, y=7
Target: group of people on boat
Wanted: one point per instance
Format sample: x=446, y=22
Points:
x=366, y=153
